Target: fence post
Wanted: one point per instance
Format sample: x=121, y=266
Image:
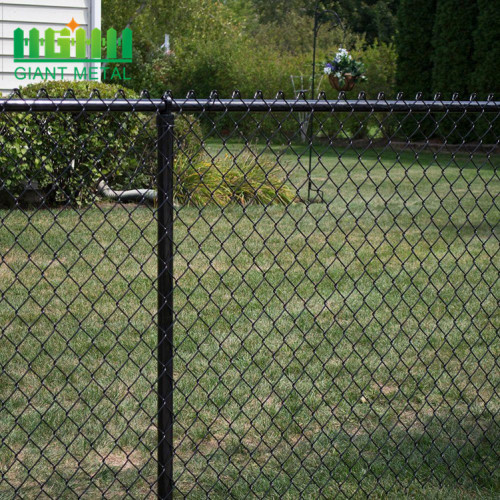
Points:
x=165, y=203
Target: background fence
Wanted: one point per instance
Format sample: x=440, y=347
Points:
x=197, y=302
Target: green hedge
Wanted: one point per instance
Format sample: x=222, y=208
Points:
x=67, y=153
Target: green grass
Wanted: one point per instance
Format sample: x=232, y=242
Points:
x=344, y=347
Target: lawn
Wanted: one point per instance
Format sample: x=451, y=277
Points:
x=348, y=346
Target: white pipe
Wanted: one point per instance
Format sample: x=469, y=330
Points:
x=129, y=195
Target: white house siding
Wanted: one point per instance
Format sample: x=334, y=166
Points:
x=41, y=14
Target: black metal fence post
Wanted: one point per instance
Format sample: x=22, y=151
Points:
x=165, y=123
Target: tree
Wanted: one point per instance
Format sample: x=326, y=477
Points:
x=371, y=18
x=413, y=43
x=452, y=41
x=205, y=36
x=375, y=18
x=486, y=51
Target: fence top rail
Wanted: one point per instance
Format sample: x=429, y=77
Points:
x=257, y=104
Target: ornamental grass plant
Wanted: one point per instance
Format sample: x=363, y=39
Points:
x=245, y=179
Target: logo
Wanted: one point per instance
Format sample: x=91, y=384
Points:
x=71, y=45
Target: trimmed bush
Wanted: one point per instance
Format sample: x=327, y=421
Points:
x=66, y=154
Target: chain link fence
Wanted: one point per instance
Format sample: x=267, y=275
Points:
x=196, y=303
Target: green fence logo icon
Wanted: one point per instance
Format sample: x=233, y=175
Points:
x=59, y=49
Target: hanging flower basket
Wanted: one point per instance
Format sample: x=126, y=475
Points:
x=347, y=84
x=343, y=71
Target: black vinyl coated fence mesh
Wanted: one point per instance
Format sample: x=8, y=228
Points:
x=249, y=298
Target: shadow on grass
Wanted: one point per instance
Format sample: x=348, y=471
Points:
x=440, y=455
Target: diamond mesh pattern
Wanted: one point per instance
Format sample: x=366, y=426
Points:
x=335, y=300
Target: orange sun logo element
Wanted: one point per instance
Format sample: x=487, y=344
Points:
x=72, y=24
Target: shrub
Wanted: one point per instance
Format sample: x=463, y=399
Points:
x=242, y=180
x=200, y=180
x=67, y=153
x=380, y=69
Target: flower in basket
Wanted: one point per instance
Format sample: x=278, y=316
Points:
x=343, y=70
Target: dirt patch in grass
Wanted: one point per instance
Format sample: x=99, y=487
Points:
x=387, y=389
x=125, y=459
